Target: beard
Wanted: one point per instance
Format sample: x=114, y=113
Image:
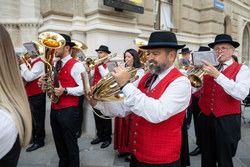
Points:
x=157, y=68
x=59, y=54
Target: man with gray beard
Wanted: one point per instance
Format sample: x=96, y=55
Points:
x=158, y=104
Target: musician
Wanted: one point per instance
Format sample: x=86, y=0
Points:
x=15, y=115
x=158, y=104
x=65, y=113
x=224, y=88
x=195, y=110
x=123, y=125
x=103, y=126
x=36, y=97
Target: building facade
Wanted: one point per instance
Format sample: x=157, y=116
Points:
x=195, y=22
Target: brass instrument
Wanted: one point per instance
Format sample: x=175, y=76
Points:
x=107, y=89
x=25, y=58
x=143, y=53
x=91, y=63
x=77, y=48
x=195, y=75
x=51, y=41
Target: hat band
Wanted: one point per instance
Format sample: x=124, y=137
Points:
x=163, y=43
x=223, y=40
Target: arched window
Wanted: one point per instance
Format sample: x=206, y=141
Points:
x=246, y=45
x=227, y=25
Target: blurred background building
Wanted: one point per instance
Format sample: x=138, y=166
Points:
x=117, y=23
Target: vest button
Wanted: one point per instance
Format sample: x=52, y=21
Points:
x=138, y=116
x=134, y=142
x=213, y=90
x=212, y=94
x=212, y=103
x=134, y=150
x=135, y=133
x=136, y=124
x=152, y=91
x=214, y=85
x=212, y=99
x=212, y=109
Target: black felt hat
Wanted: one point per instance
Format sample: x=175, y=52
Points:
x=103, y=48
x=224, y=38
x=68, y=40
x=185, y=50
x=162, y=39
x=204, y=48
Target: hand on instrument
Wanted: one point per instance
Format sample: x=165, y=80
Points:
x=20, y=60
x=210, y=69
x=87, y=69
x=121, y=75
x=90, y=98
x=40, y=81
x=59, y=91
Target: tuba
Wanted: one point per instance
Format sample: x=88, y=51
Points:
x=51, y=41
x=91, y=63
x=77, y=48
x=143, y=53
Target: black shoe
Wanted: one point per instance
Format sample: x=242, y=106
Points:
x=105, y=144
x=96, y=141
x=195, y=152
x=122, y=154
x=128, y=158
x=34, y=147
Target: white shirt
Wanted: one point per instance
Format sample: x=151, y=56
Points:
x=37, y=70
x=238, y=89
x=175, y=99
x=75, y=72
x=8, y=133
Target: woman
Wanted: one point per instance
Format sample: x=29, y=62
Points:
x=123, y=125
x=15, y=116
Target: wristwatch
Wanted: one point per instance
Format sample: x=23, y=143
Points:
x=65, y=91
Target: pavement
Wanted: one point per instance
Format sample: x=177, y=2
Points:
x=94, y=156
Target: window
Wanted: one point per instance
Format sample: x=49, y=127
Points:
x=163, y=15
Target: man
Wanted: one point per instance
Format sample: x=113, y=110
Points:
x=36, y=97
x=185, y=53
x=65, y=113
x=103, y=126
x=195, y=110
x=158, y=104
x=220, y=104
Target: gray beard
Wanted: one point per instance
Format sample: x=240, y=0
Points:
x=159, y=68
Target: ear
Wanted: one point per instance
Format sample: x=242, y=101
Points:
x=172, y=55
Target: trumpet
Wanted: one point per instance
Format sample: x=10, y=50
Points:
x=91, y=63
x=195, y=75
x=51, y=41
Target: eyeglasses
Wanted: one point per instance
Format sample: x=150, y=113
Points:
x=223, y=49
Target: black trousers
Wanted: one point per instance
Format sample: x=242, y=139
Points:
x=196, y=111
x=219, y=139
x=184, y=157
x=37, y=107
x=80, y=119
x=135, y=163
x=64, y=126
x=11, y=158
x=103, y=127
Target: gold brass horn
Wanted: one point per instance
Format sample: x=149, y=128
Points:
x=195, y=75
x=51, y=41
x=77, y=48
x=91, y=63
x=107, y=89
x=143, y=54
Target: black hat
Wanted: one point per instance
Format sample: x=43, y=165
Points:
x=224, y=38
x=162, y=39
x=103, y=48
x=68, y=40
x=204, y=48
x=185, y=50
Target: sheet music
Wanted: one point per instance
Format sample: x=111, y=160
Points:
x=209, y=56
x=31, y=48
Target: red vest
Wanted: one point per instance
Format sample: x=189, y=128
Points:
x=67, y=81
x=157, y=143
x=215, y=100
x=97, y=75
x=32, y=87
x=198, y=93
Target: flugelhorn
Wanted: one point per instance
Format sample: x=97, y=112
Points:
x=91, y=63
x=77, y=48
x=51, y=41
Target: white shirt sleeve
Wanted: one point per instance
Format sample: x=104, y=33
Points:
x=238, y=89
x=175, y=99
x=8, y=133
x=103, y=71
x=76, y=71
x=36, y=71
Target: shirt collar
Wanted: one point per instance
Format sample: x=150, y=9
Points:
x=228, y=63
x=164, y=73
x=65, y=59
